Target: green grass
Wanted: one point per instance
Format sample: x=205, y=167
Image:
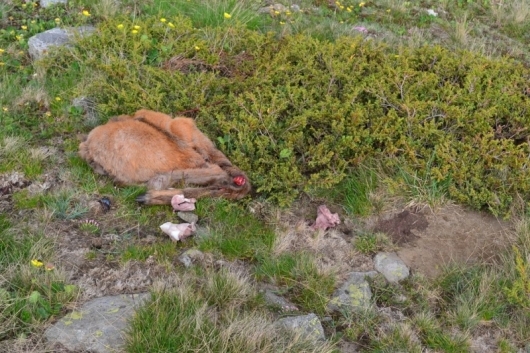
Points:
x=299, y=276
x=371, y=243
x=234, y=232
x=31, y=291
x=205, y=13
x=215, y=315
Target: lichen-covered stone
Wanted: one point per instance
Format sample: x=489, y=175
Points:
x=354, y=294
x=308, y=326
x=190, y=256
x=97, y=326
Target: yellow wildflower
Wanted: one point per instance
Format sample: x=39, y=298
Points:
x=341, y=7
x=33, y=22
x=171, y=25
x=362, y=4
x=120, y=26
x=288, y=13
x=276, y=12
x=24, y=6
x=163, y=20
x=227, y=15
x=5, y=109
x=86, y=13
x=1, y=50
x=57, y=20
x=36, y=263
x=197, y=47
x=134, y=31
x=282, y=23
x=35, y=4
x=48, y=114
x=136, y=27
x=58, y=99
x=348, y=9
x=19, y=37
x=388, y=10
x=24, y=27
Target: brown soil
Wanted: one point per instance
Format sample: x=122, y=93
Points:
x=453, y=234
x=400, y=227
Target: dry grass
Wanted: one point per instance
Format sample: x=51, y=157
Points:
x=511, y=11
x=221, y=327
x=10, y=145
x=461, y=30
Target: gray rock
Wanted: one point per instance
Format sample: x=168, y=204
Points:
x=391, y=266
x=295, y=8
x=354, y=294
x=88, y=107
x=202, y=233
x=189, y=256
x=98, y=326
x=278, y=302
x=266, y=9
x=308, y=326
x=279, y=7
x=40, y=43
x=188, y=217
x=272, y=8
x=46, y=3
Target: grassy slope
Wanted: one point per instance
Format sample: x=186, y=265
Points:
x=440, y=315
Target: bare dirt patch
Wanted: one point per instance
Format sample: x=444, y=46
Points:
x=400, y=227
x=92, y=263
x=453, y=234
x=332, y=249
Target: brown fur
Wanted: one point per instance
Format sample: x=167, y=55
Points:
x=152, y=148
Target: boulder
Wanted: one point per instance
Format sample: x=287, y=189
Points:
x=40, y=43
x=97, y=326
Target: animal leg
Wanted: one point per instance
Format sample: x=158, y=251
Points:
x=163, y=197
x=211, y=174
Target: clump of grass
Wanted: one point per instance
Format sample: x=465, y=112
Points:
x=371, y=243
x=298, y=274
x=213, y=13
x=234, y=231
x=64, y=205
x=361, y=325
x=183, y=319
x=164, y=252
x=355, y=191
x=434, y=337
x=423, y=188
x=31, y=289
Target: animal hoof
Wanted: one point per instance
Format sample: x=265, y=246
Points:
x=142, y=198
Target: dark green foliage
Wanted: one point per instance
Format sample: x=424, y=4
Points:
x=299, y=113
